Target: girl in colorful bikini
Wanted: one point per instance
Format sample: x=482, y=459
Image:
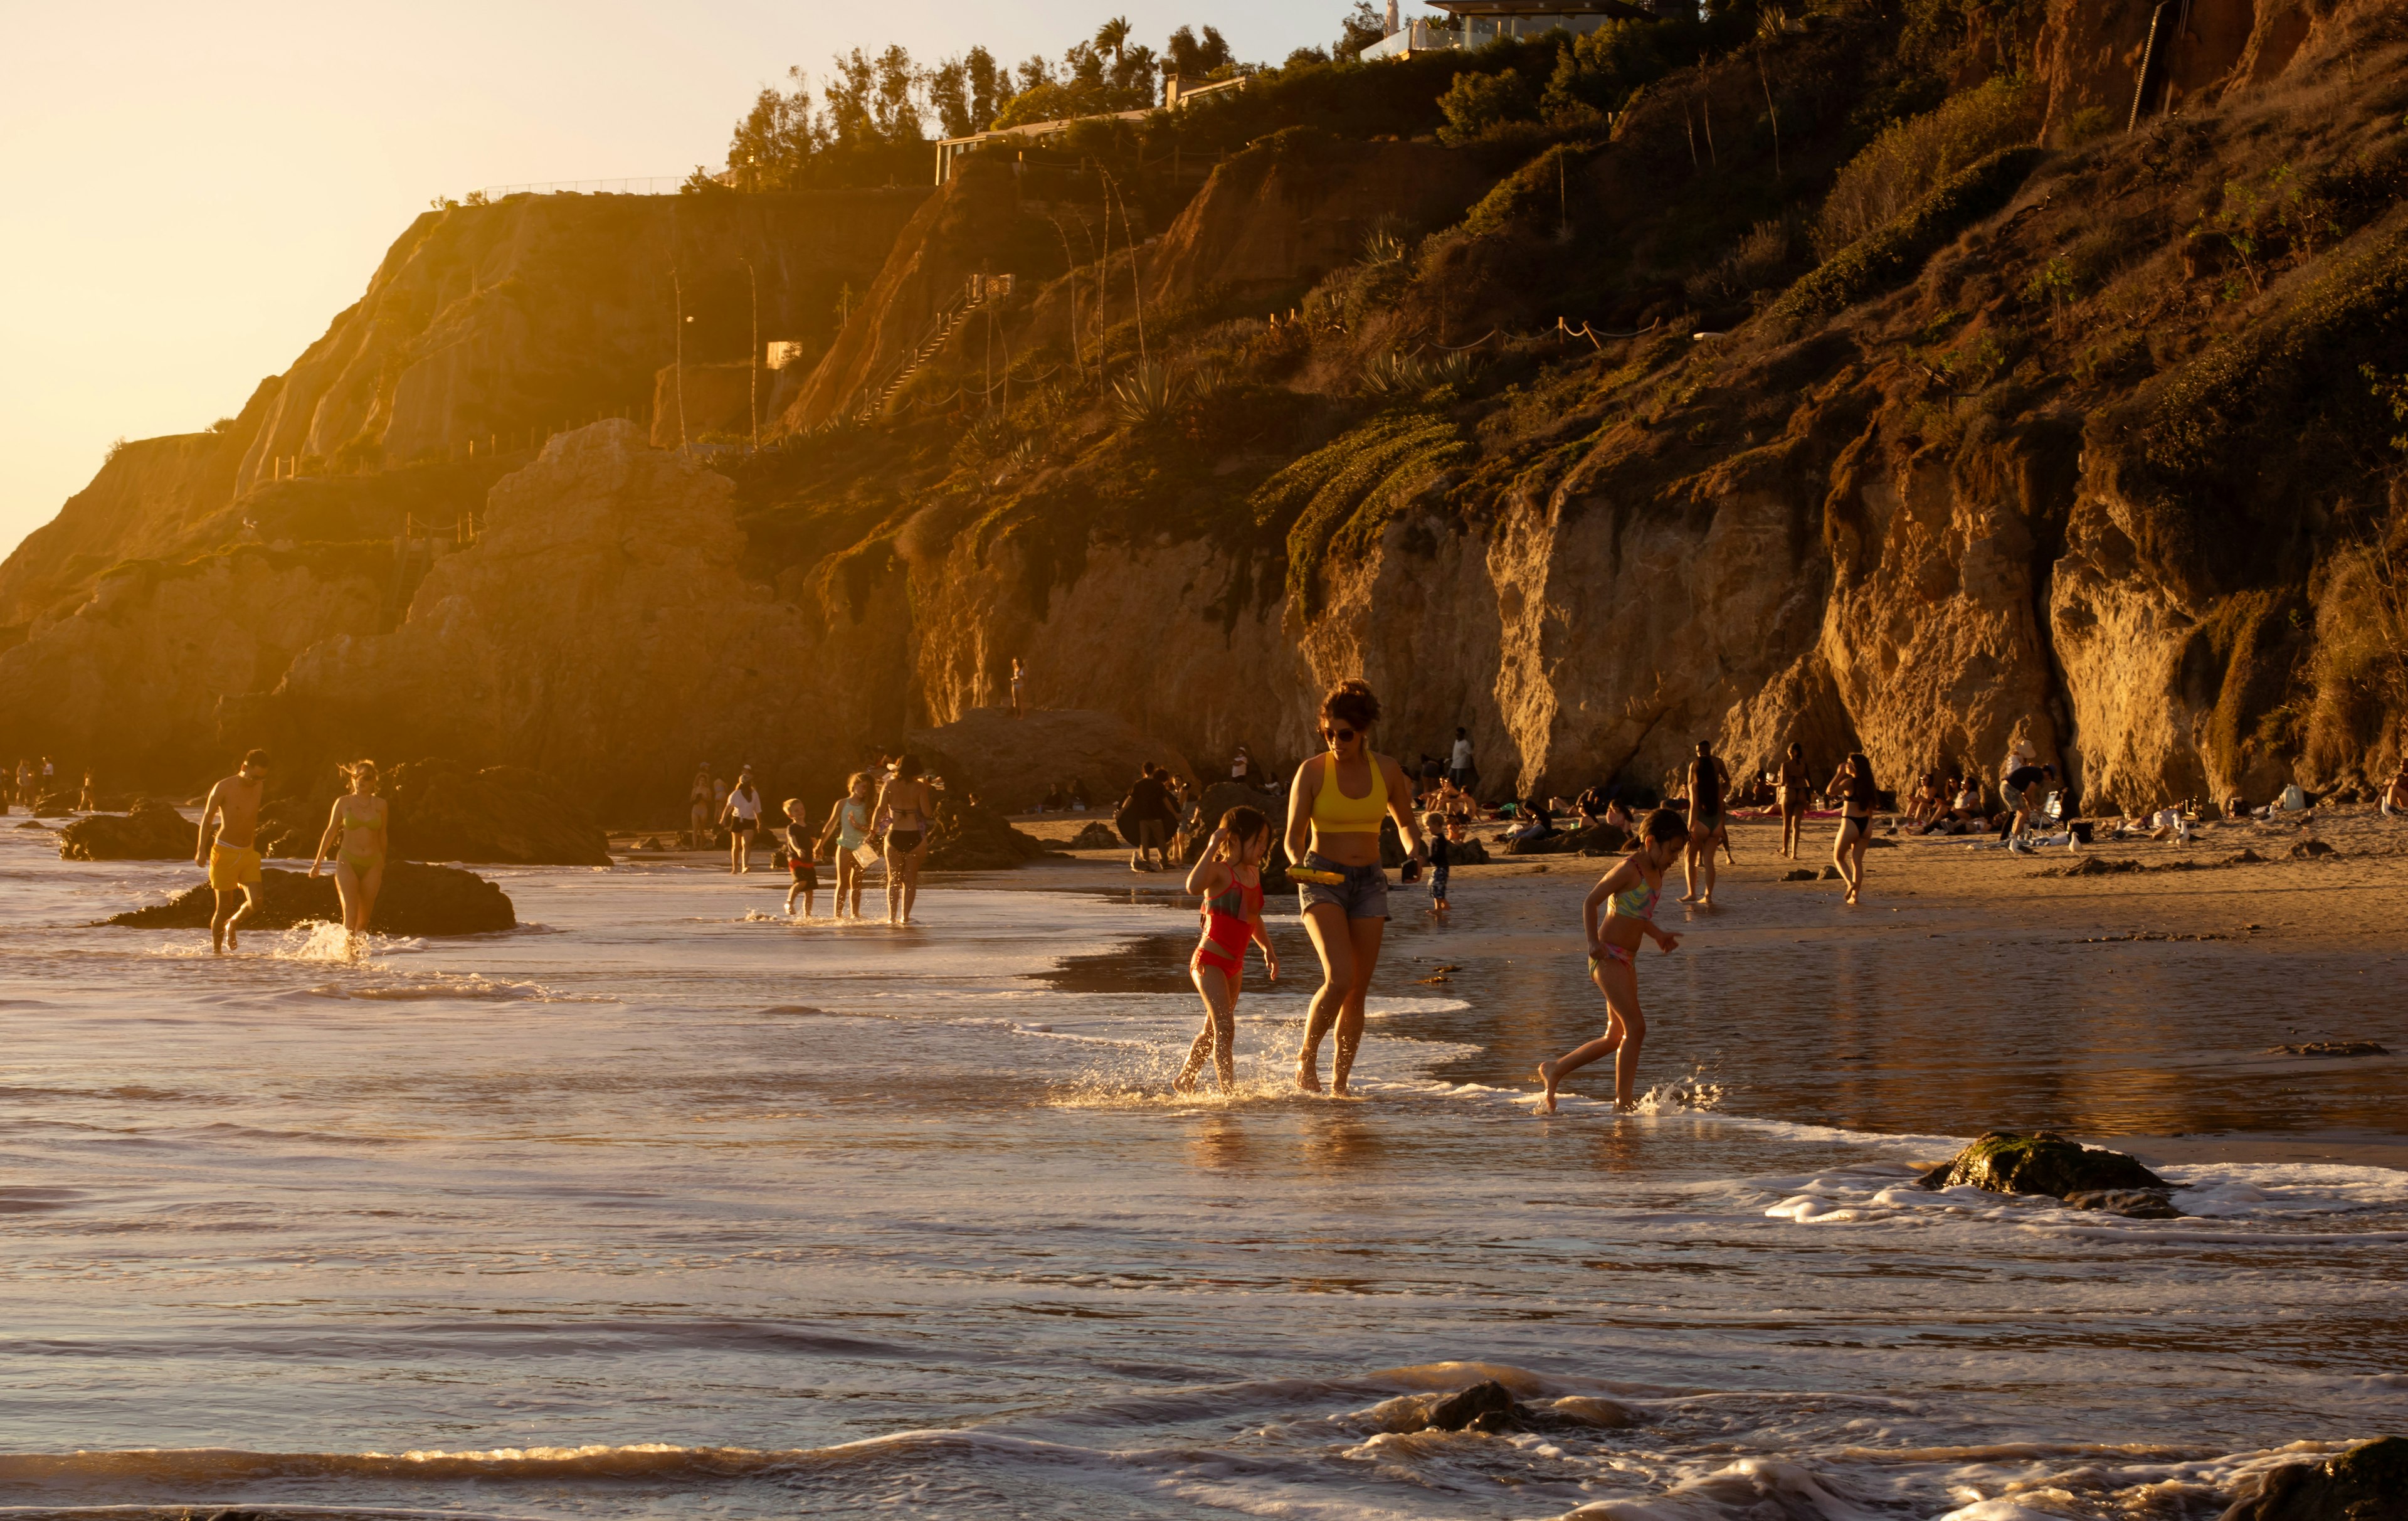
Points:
x=356, y=831
x=1627, y=894
x=1231, y=879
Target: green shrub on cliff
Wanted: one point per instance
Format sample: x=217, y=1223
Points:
x=1908, y=159
x=1337, y=499
x=1880, y=260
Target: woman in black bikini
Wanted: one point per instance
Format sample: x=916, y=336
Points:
x=1858, y=797
x=1797, y=789
x=907, y=806
x=1708, y=782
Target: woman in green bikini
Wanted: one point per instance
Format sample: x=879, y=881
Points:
x=355, y=831
x=1627, y=894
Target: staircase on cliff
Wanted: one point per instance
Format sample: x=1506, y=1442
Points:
x=879, y=392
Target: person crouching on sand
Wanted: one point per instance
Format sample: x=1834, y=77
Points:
x=355, y=831
x=1627, y=894
x=798, y=860
x=1229, y=878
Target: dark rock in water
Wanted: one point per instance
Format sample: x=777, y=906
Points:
x=2330, y=1048
x=415, y=901
x=2041, y=1162
x=1483, y=1407
x=972, y=839
x=1098, y=836
x=1804, y=873
x=2131, y=1203
x=443, y=810
x=2368, y=1482
x=2308, y=850
x=154, y=831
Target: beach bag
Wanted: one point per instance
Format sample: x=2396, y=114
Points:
x=866, y=855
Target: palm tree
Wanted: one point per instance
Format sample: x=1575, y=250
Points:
x=1112, y=36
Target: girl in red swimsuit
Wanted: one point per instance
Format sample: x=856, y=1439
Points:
x=1231, y=879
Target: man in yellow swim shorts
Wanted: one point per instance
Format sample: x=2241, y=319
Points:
x=233, y=856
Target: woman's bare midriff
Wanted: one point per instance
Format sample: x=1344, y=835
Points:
x=1347, y=849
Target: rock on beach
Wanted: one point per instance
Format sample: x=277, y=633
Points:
x=2045, y=1162
x=154, y=831
x=415, y=901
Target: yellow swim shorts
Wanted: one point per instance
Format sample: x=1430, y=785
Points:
x=231, y=865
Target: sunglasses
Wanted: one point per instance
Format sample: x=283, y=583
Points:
x=1338, y=735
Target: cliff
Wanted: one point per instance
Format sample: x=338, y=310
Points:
x=2095, y=446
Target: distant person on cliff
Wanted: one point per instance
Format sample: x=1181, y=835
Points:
x=1853, y=788
x=699, y=807
x=1459, y=768
x=1151, y=811
x=1793, y=794
x=847, y=825
x=1334, y=809
x=1708, y=780
x=1228, y=876
x=1017, y=712
x=907, y=806
x=741, y=813
x=799, y=865
x=231, y=856
x=356, y=830
x=1628, y=895
x=1240, y=764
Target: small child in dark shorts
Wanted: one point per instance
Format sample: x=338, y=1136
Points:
x=798, y=860
x=1436, y=824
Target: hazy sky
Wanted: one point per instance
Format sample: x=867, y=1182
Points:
x=194, y=190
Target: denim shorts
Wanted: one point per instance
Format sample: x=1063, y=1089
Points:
x=1364, y=893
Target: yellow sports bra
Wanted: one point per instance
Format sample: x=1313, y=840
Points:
x=1334, y=813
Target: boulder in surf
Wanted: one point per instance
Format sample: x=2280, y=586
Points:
x=2368, y=1482
x=2041, y=1162
x=154, y=831
x=415, y=901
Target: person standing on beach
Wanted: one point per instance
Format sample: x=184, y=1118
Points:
x=741, y=813
x=1150, y=813
x=907, y=806
x=1334, y=808
x=698, y=806
x=232, y=858
x=1239, y=764
x=1794, y=792
x=1858, y=796
x=356, y=830
x=88, y=800
x=1439, y=836
x=1229, y=878
x=1017, y=712
x=799, y=865
x=1708, y=782
x=1459, y=768
x=848, y=822
x=1628, y=895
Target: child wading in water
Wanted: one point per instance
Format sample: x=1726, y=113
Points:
x=1628, y=893
x=1229, y=876
x=798, y=860
x=1440, y=833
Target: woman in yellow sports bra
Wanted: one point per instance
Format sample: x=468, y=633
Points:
x=355, y=831
x=1334, y=809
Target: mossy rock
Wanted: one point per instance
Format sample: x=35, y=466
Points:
x=2368, y=1482
x=2041, y=1162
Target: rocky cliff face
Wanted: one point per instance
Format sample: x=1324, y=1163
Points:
x=2103, y=462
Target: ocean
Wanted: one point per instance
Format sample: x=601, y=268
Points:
x=660, y=1206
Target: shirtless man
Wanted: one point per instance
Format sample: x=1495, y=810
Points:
x=232, y=857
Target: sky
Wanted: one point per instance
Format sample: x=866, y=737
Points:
x=193, y=191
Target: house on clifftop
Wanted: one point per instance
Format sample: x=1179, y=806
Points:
x=1476, y=23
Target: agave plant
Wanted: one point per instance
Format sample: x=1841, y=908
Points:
x=1207, y=381
x=1146, y=393
x=1394, y=377
x=1456, y=369
x=1383, y=247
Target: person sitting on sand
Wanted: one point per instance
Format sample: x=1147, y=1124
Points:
x=848, y=823
x=1229, y=879
x=1336, y=805
x=356, y=831
x=232, y=859
x=1858, y=796
x=2395, y=792
x=1628, y=895
x=1709, y=779
x=741, y=813
x=799, y=865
